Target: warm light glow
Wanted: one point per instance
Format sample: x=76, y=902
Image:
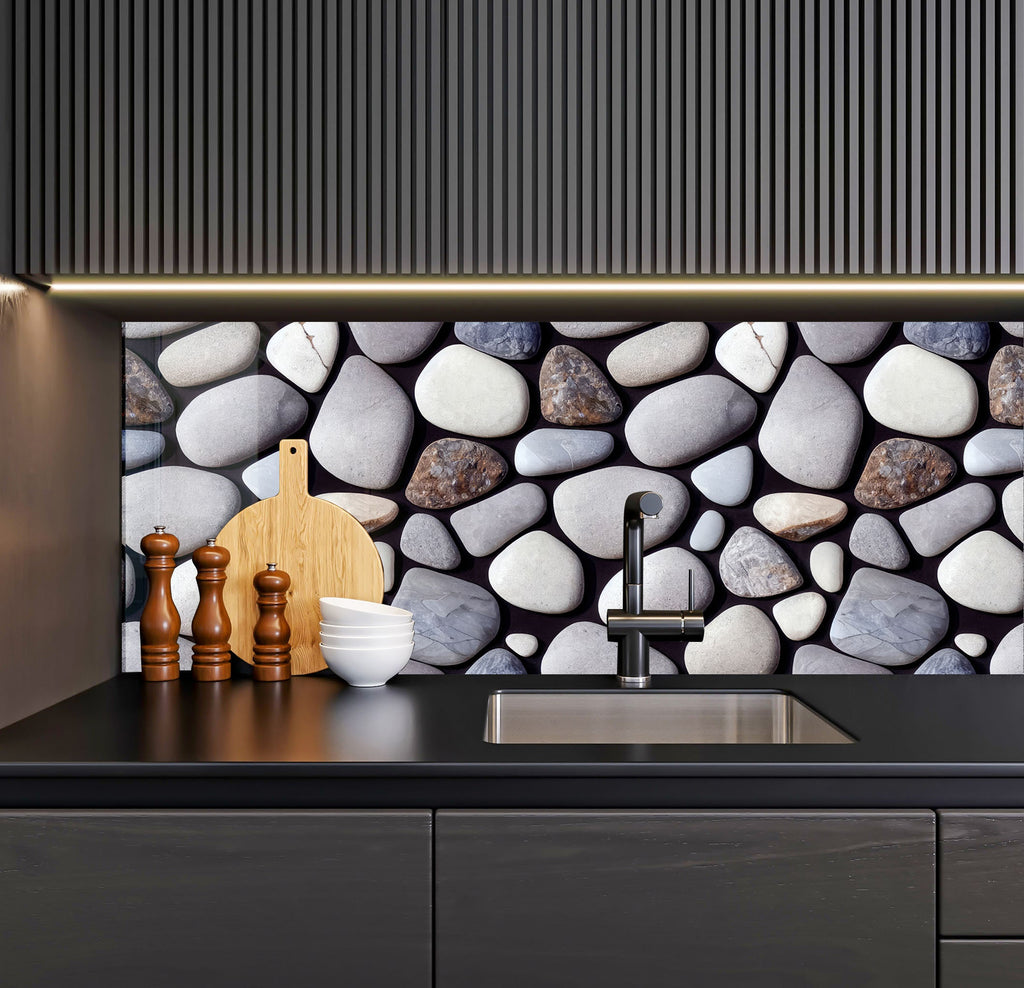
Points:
x=8, y=287
x=554, y=285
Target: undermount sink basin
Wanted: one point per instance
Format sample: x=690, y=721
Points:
x=655, y=717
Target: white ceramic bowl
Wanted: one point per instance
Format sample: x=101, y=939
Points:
x=363, y=666
x=344, y=610
x=376, y=641
x=374, y=631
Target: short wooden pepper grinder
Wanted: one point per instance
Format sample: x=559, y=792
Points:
x=211, y=627
x=159, y=622
x=271, y=651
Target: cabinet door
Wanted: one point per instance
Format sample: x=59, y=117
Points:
x=981, y=864
x=981, y=963
x=172, y=899
x=594, y=899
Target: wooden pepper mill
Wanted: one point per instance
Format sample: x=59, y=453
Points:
x=271, y=651
x=211, y=627
x=159, y=623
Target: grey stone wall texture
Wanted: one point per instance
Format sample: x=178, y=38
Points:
x=849, y=496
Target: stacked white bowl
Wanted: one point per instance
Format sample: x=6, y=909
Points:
x=362, y=642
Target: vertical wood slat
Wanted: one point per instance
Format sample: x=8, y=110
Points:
x=514, y=136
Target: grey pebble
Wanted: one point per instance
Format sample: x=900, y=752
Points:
x=363, y=429
x=888, y=619
x=194, y=505
x=497, y=662
x=875, y=541
x=140, y=446
x=393, y=342
x=994, y=451
x=813, y=427
x=934, y=526
x=508, y=340
x=148, y=330
x=426, y=541
x=842, y=342
x=708, y=532
x=583, y=648
x=956, y=340
x=453, y=619
x=547, y=451
x=588, y=507
x=238, y=420
x=484, y=527
x=945, y=662
x=209, y=354
x=1008, y=658
x=686, y=420
x=816, y=660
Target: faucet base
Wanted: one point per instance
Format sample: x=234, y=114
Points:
x=635, y=682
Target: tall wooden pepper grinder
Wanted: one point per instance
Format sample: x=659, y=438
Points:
x=159, y=623
x=271, y=651
x=211, y=627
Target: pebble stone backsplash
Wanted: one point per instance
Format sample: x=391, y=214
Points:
x=849, y=496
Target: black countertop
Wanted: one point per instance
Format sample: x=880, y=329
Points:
x=933, y=742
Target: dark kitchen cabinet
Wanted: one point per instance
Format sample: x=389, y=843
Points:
x=981, y=963
x=171, y=899
x=606, y=898
x=981, y=864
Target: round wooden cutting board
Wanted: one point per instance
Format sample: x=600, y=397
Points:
x=322, y=547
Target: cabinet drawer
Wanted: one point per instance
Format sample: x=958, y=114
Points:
x=172, y=899
x=602, y=899
x=981, y=963
x=981, y=873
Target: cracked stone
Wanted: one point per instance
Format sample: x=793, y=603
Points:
x=304, y=352
x=753, y=353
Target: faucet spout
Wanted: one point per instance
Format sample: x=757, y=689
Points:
x=641, y=505
x=633, y=626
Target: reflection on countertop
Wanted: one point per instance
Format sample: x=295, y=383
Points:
x=310, y=720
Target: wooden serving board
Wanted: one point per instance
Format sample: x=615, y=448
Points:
x=325, y=551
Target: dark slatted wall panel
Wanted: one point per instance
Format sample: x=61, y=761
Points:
x=517, y=136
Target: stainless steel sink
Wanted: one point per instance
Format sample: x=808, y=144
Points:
x=655, y=717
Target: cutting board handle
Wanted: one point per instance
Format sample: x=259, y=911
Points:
x=294, y=475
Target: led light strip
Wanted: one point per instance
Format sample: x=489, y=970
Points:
x=554, y=285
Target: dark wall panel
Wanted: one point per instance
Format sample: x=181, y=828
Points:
x=60, y=396
x=518, y=136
